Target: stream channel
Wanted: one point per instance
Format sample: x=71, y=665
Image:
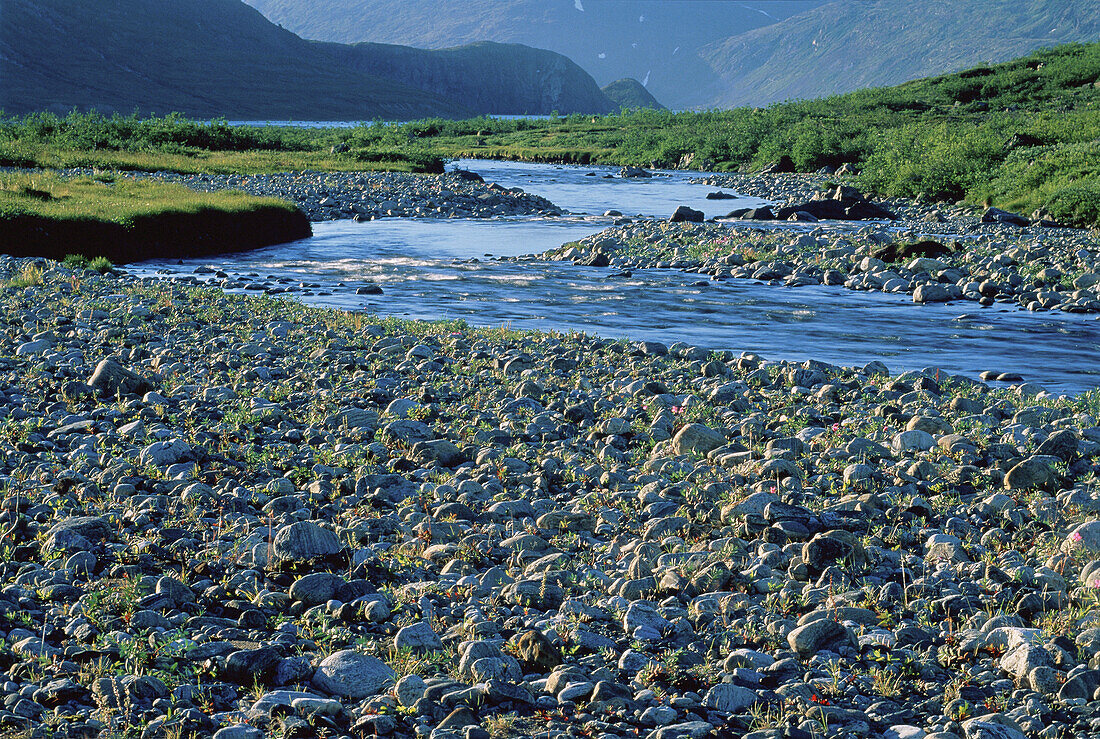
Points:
x=445, y=268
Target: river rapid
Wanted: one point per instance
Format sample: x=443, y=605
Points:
x=453, y=268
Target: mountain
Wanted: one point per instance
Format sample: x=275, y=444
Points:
x=851, y=44
x=208, y=58
x=487, y=77
x=655, y=41
x=705, y=53
x=629, y=93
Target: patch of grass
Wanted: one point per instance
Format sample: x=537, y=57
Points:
x=43, y=214
x=29, y=276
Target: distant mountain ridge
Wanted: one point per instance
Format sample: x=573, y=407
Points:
x=210, y=58
x=704, y=54
x=847, y=45
x=654, y=41
x=513, y=79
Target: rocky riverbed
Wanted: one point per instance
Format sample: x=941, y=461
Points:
x=364, y=196
x=243, y=517
x=326, y=196
x=961, y=259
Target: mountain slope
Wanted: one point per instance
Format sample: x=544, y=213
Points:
x=655, y=41
x=209, y=58
x=199, y=57
x=850, y=44
x=512, y=79
x=701, y=53
x=630, y=93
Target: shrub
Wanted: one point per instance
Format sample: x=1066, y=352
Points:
x=101, y=265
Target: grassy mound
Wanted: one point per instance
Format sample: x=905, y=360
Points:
x=130, y=220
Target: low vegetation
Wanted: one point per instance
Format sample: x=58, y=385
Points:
x=105, y=218
x=1022, y=135
x=174, y=143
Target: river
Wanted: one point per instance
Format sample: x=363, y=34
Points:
x=449, y=269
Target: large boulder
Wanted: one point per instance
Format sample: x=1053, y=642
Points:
x=110, y=378
x=684, y=213
x=349, y=674
x=931, y=292
x=816, y=636
x=695, y=438
x=305, y=541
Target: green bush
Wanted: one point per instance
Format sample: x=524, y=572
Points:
x=101, y=265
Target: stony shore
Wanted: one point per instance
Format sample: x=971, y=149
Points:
x=244, y=517
x=958, y=258
x=364, y=196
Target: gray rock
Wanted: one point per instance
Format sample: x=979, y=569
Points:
x=349, y=674
x=1084, y=538
x=686, y=214
x=315, y=588
x=239, y=731
x=410, y=689
x=1033, y=472
x=165, y=453
x=77, y=534
x=819, y=635
x=111, y=378
x=931, y=292
x=304, y=541
x=903, y=731
x=983, y=728
x=419, y=637
x=729, y=698
x=912, y=441
x=695, y=438
x=687, y=730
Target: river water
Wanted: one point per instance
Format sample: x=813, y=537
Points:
x=448, y=269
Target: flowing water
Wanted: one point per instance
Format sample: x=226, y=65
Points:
x=448, y=269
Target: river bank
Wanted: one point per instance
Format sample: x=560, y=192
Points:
x=44, y=214
x=224, y=511
x=326, y=196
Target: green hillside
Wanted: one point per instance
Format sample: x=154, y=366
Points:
x=847, y=45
